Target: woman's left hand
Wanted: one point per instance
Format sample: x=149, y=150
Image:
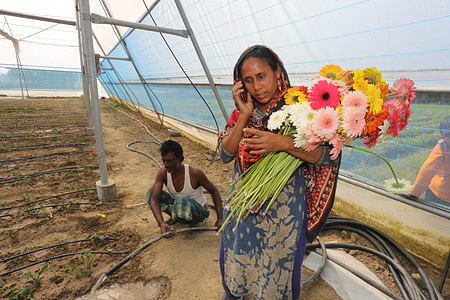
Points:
x=265, y=141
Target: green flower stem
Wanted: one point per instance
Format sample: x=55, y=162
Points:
x=368, y=151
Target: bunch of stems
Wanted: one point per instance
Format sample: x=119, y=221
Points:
x=264, y=180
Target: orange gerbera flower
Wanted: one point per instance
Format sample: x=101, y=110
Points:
x=373, y=121
x=384, y=88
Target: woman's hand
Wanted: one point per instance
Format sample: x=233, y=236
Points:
x=245, y=108
x=265, y=141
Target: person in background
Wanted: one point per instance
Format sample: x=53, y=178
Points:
x=434, y=175
x=184, y=200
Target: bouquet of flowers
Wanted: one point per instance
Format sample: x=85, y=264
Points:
x=336, y=108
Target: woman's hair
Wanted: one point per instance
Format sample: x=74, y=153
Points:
x=171, y=146
x=261, y=52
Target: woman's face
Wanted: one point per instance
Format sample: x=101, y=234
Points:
x=260, y=80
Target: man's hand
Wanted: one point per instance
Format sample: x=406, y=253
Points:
x=218, y=224
x=165, y=227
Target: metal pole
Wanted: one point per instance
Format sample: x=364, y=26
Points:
x=27, y=16
x=116, y=58
x=20, y=76
x=83, y=70
x=200, y=56
x=125, y=47
x=91, y=71
x=98, y=19
x=23, y=76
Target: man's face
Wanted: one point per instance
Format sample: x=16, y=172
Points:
x=171, y=162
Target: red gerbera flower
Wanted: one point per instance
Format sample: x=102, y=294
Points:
x=371, y=140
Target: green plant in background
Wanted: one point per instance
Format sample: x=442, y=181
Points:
x=17, y=176
x=82, y=264
x=33, y=282
x=62, y=239
x=25, y=197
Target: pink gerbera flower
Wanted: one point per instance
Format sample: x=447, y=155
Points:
x=311, y=137
x=324, y=94
x=326, y=123
x=353, y=121
x=404, y=121
x=337, y=141
x=404, y=88
x=356, y=99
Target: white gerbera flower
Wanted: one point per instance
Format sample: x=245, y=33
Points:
x=382, y=135
x=402, y=186
x=277, y=119
x=301, y=115
x=299, y=140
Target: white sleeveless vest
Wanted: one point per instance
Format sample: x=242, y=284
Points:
x=188, y=191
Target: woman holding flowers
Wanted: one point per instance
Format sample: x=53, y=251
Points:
x=261, y=255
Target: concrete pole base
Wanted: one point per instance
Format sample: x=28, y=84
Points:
x=106, y=192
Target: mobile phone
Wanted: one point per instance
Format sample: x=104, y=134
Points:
x=244, y=93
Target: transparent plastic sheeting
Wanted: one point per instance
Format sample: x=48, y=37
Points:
x=400, y=38
x=40, y=79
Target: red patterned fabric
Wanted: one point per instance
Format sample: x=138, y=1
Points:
x=320, y=184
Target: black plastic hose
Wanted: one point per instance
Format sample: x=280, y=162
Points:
x=143, y=153
x=60, y=170
x=59, y=256
x=43, y=156
x=105, y=275
x=47, y=198
x=39, y=146
x=50, y=247
x=52, y=205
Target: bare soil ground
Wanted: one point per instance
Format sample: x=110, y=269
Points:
x=184, y=265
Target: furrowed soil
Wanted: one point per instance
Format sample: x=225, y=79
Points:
x=47, y=150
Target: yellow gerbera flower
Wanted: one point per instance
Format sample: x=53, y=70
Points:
x=359, y=83
x=295, y=94
x=374, y=99
x=331, y=71
x=373, y=76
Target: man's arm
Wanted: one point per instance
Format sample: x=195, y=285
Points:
x=210, y=187
x=155, y=194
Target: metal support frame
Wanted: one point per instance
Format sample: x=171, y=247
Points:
x=39, y=18
x=98, y=19
x=83, y=69
x=141, y=78
x=115, y=58
x=200, y=56
x=90, y=73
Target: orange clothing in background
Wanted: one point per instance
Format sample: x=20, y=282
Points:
x=434, y=173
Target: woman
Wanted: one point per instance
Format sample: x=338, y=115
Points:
x=262, y=257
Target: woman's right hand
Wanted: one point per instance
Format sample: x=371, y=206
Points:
x=245, y=108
